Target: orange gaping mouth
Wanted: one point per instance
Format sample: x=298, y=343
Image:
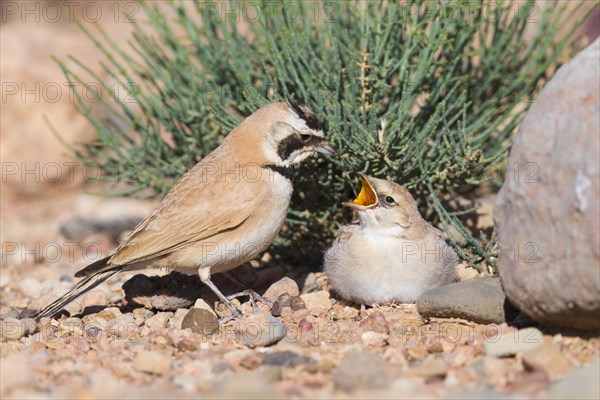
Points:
x=367, y=196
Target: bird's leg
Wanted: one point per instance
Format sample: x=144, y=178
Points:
x=254, y=297
x=234, y=311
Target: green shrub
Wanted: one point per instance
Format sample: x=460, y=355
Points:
x=427, y=94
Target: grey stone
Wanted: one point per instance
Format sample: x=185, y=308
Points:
x=480, y=300
x=221, y=367
x=259, y=329
x=364, y=370
x=27, y=313
x=200, y=321
x=548, y=210
x=80, y=228
x=286, y=359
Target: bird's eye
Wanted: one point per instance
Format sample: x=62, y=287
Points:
x=306, y=138
x=389, y=199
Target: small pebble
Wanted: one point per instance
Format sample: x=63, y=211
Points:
x=373, y=339
x=286, y=359
x=549, y=359
x=4, y=279
x=284, y=285
x=143, y=312
x=317, y=299
x=159, y=320
x=311, y=283
x=30, y=287
x=285, y=300
x=12, y=328
x=464, y=272
x=252, y=360
x=152, y=362
x=200, y=321
x=72, y=323
x=269, y=373
x=94, y=298
x=364, y=370
x=177, y=319
x=203, y=305
x=221, y=367
x=300, y=314
x=375, y=322
x=187, y=345
x=123, y=326
x=108, y=313
x=346, y=313
x=509, y=344
x=245, y=358
x=245, y=386
x=259, y=329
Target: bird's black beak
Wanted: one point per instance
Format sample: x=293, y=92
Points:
x=325, y=148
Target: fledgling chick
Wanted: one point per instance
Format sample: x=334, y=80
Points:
x=391, y=253
x=224, y=211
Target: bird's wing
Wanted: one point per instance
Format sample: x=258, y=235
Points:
x=197, y=208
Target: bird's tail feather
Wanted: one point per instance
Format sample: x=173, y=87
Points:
x=82, y=287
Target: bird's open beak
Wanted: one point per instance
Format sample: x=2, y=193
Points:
x=367, y=198
x=325, y=148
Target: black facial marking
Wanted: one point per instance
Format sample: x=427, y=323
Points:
x=286, y=171
x=295, y=142
x=308, y=116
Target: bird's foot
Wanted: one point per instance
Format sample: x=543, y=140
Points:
x=254, y=297
x=363, y=308
x=235, y=313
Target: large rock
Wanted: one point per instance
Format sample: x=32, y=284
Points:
x=548, y=211
x=479, y=300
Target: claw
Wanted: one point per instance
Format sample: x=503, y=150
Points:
x=254, y=297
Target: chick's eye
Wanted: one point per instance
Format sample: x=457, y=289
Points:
x=389, y=199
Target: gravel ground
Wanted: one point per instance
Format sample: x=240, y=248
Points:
x=309, y=345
